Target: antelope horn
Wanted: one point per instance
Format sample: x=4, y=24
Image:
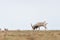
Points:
x=31, y=24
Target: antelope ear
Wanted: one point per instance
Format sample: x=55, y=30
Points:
x=44, y=21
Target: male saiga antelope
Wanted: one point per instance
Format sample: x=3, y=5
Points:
x=39, y=24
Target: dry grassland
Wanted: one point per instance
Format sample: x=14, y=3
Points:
x=30, y=35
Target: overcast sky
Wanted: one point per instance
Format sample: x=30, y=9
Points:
x=19, y=14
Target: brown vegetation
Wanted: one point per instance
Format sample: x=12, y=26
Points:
x=30, y=35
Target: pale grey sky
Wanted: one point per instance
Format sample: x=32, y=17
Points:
x=19, y=14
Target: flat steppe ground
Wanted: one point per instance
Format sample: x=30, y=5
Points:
x=30, y=35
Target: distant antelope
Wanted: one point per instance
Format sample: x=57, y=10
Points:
x=5, y=29
x=39, y=24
